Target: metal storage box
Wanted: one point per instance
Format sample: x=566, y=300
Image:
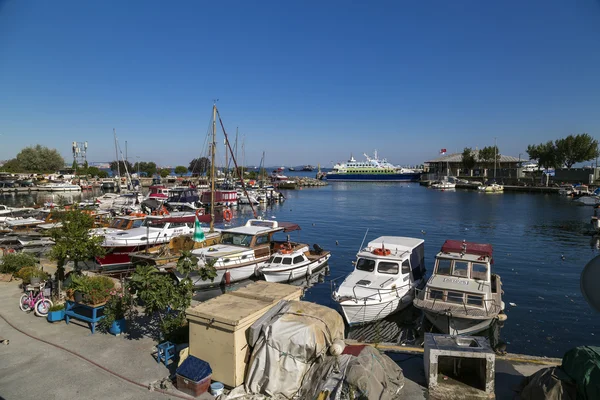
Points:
x=218, y=327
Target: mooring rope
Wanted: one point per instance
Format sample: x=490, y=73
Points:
x=94, y=363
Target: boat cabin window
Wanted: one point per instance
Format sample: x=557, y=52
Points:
x=474, y=300
x=287, y=261
x=116, y=223
x=275, y=260
x=153, y=223
x=479, y=272
x=365, y=264
x=444, y=266
x=405, y=267
x=238, y=239
x=298, y=259
x=461, y=268
x=385, y=267
x=436, y=294
x=262, y=239
x=454, y=297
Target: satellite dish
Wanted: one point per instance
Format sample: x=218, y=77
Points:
x=590, y=281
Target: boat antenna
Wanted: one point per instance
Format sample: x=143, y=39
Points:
x=235, y=163
x=363, y=241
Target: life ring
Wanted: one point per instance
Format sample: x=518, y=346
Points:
x=227, y=214
x=382, y=252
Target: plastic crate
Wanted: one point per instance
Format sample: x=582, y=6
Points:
x=194, y=376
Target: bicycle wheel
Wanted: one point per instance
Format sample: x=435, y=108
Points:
x=42, y=306
x=24, y=304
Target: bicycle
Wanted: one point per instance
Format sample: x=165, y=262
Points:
x=39, y=303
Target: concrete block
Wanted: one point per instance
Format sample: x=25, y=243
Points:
x=459, y=366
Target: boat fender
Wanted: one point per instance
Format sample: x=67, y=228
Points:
x=227, y=214
x=502, y=317
x=227, y=277
x=337, y=347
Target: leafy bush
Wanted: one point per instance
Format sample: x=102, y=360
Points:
x=117, y=307
x=26, y=273
x=57, y=307
x=13, y=262
x=95, y=289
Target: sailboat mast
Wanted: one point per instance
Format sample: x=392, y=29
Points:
x=212, y=169
x=495, y=157
x=117, y=155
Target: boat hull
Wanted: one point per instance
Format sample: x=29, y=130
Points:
x=291, y=274
x=356, y=313
x=406, y=177
x=236, y=274
x=458, y=326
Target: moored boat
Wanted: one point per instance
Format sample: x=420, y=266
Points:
x=294, y=261
x=462, y=296
x=371, y=170
x=384, y=279
x=491, y=187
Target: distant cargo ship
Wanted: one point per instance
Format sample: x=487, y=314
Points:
x=371, y=170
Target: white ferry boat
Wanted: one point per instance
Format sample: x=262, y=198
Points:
x=371, y=170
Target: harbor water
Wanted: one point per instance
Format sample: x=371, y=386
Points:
x=541, y=244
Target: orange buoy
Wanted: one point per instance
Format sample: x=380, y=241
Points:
x=227, y=214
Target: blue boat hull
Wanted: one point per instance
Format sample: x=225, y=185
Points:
x=411, y=177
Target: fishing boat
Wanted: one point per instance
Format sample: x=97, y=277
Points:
x=120, y=224
x=154, y=230
x=462, y=296
x=371, y=170
x=491, y=187
x=158, y=192
x=383, y=282
x=241, y=252
x=293, y=261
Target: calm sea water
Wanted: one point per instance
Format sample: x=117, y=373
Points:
x=530, y=234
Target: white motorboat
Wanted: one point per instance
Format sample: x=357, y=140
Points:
x=462, y=295
x=251, y=198
x=294, y=261
x=155, y=230
x=59, y=187
x=242, y=251
x=444, y=184
x=384, y=279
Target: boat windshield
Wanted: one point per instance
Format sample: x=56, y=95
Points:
x=238, y=239
x=444, y=266
x=365, y=264
x=385, y=267
x=479, y=272
x=154, y=223
x=116, y=223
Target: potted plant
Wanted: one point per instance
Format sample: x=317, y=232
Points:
x=56, y=313
x=29, y=274
x=78, y=286
x=115, y=310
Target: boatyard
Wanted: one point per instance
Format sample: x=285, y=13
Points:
x=292, y=201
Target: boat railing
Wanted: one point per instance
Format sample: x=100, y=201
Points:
x=489, y=306
x=378, y=292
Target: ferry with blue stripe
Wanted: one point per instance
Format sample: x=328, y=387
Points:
x=371, y=170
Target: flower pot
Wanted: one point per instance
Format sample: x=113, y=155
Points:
x=118, y=326
x=54, y=316
x=78, y=297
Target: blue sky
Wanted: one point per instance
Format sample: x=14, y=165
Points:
x=305, y=81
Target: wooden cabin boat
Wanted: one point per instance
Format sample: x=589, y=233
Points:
x=462, y=297
x=241, y=252
x=384, y=279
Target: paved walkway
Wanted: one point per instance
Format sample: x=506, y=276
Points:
x=31, y=369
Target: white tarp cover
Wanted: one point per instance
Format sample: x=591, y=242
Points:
x=290, y=343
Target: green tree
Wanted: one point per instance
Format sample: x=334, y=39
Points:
x=72, y=240
x=39, y=159
x=102, y=174
x=546, y=154
x=93, y=171
x=74, y=165
x=488, y=154
x=468, y=159
x=199, y=166
x=180, y=170
x=12, y=166
x=164, y=172
x=149, y=168
x=122, y=165
x=576, y=148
